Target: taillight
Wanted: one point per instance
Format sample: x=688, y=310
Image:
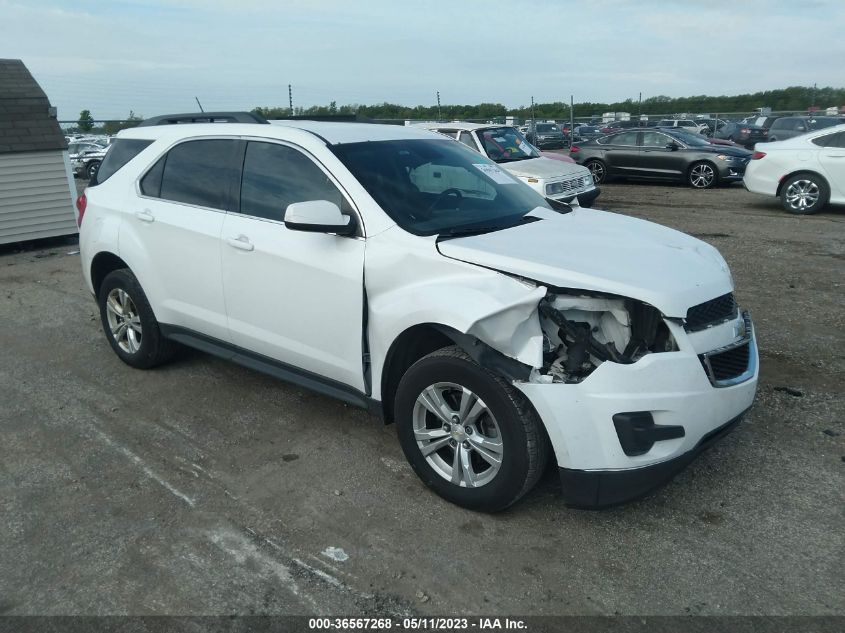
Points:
x=758, y=155
x=81, y=204
x=573, y=149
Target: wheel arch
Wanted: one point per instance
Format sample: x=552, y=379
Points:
x=102, y=264
x=422, y=339
x=795, y=173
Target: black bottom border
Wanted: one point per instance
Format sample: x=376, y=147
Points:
x=524, y=624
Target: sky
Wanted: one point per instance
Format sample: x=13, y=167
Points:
x=155, y=56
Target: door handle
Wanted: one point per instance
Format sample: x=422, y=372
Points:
x=145, y=216
x=241, y=242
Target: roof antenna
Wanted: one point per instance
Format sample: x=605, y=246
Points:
x=199, y=104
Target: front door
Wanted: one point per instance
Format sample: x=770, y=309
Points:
x=656, y=159
x=293, y=296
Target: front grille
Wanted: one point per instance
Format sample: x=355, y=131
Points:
x=730, y=364
x=572, y=185
x=711, y=312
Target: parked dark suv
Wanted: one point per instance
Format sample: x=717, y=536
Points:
x=743, y=133
x=547, y=136
x=792, y=126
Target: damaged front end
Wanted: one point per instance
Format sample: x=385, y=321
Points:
x=581, y=331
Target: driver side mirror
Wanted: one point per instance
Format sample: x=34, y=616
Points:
x=672, y=145
x=319, y=216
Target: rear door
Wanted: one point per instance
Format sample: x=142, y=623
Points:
x=176, y=222
x=832, y=159
x=293, y=296
x=622, y=154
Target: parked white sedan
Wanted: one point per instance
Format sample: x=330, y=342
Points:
x=806, y=172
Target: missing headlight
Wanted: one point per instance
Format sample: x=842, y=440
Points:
x=582, y=332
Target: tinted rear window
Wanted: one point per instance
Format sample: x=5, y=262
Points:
x=201, y=173
x=831, y=140
x=121, y=151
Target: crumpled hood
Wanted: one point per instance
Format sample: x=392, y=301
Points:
x=543, y=168
x=606, y=252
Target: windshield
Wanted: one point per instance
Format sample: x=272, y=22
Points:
x=504, y=144
x=548, y=128
x=434, y=186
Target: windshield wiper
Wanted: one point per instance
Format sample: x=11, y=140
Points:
x=463, y=231
x=469, y=230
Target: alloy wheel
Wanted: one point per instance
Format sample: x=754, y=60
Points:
x=802, y=195
x=124, y=320
x=597, y=170
x=702, y=176
x=457, y=435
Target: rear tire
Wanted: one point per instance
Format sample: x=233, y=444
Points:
x=129, y=323
x=469, y=435
x=804, y=194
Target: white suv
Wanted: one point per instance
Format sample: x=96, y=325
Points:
x=555, y=179
x=684, y=124
x=400, y=271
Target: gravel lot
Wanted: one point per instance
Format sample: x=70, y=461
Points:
x=206, y=488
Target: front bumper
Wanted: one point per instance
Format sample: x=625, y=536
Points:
x=585, y=199
x=731, y=172
x=552, y=143
x=673, y=388
x=596, y=489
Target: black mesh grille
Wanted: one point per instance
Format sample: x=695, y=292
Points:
x=714, y=311
x=729, y=364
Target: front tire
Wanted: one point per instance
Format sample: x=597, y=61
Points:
x=702, y=175
x=469, y=435
x=598, y=169
x=804, y=194
x=129, y=323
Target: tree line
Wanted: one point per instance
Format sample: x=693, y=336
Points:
x=794, y=99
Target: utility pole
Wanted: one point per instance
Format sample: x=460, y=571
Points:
x=438, y=105
x=290, y=99
x=814, y=95
x=533, y=120
x=571, y=117
x=641, y=106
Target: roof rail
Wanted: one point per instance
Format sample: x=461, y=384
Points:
x=204, y=117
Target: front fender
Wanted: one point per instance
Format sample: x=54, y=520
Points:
x=495, y=308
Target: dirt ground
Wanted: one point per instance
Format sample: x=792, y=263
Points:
x=206, y=488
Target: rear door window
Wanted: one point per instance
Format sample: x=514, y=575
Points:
x=831, y=140
x=626, y=139
x=121, y=151
x=201, y=173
